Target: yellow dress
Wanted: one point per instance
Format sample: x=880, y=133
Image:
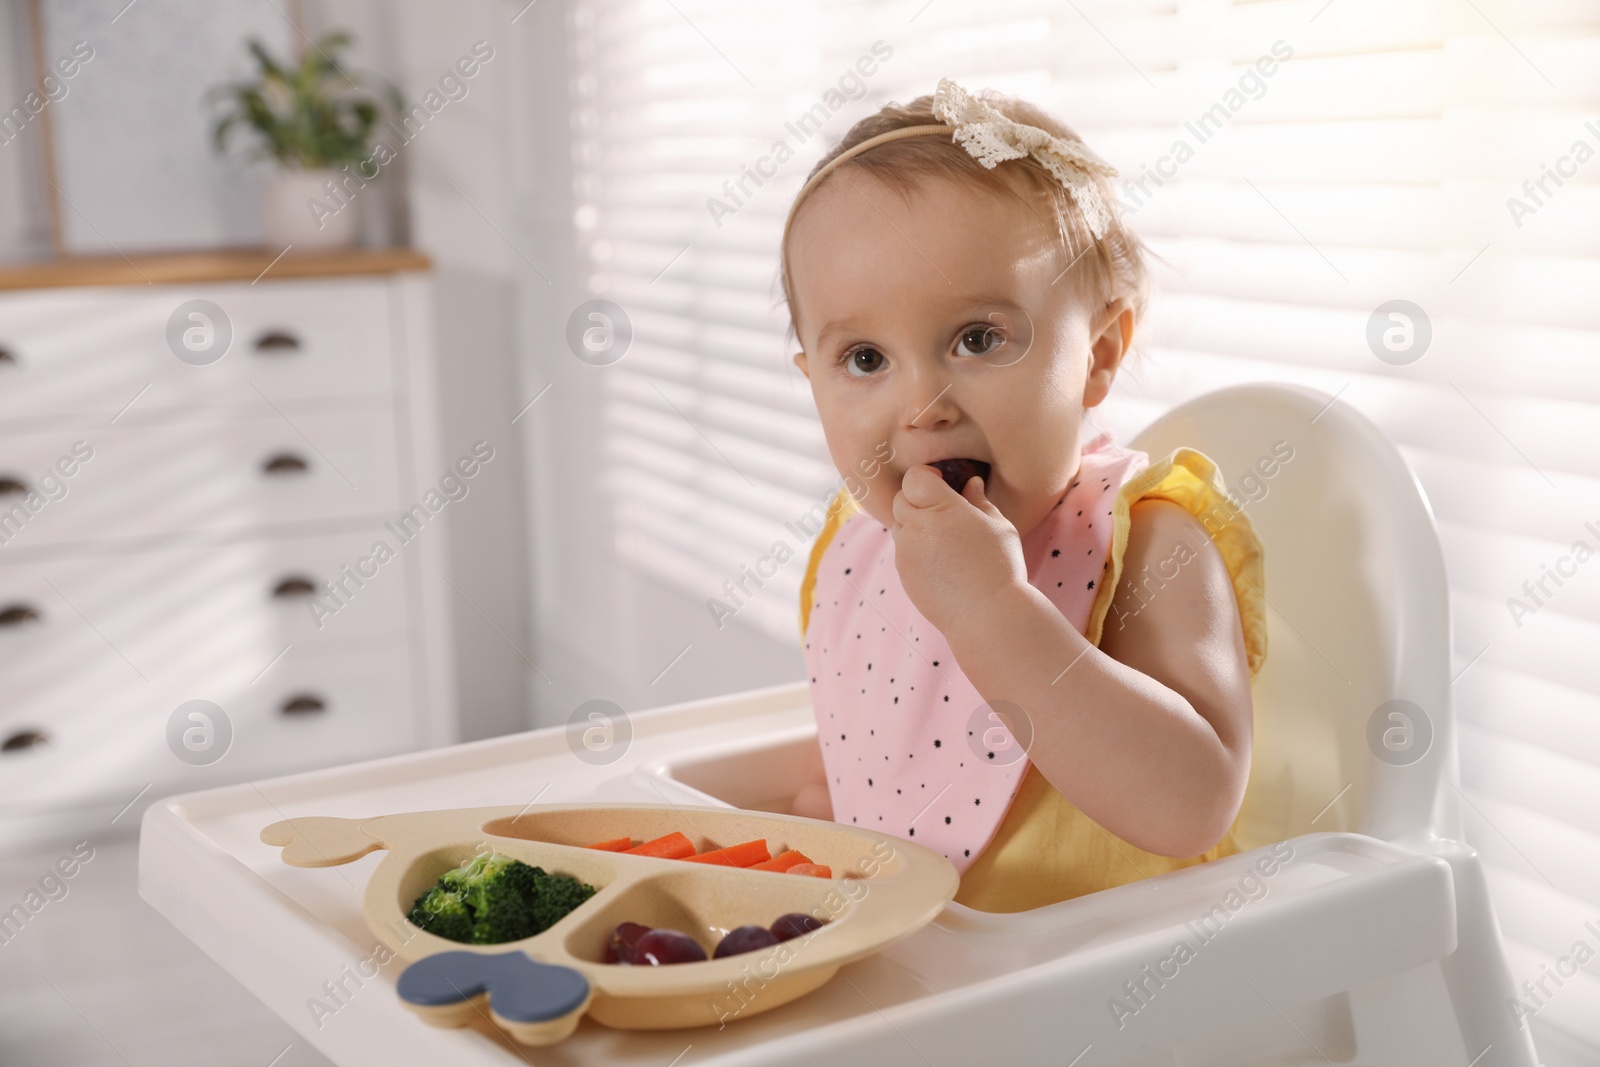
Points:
x=1046, y=850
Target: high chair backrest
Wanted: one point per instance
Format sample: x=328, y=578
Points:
x=1353, y=721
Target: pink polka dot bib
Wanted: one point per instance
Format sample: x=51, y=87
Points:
x=909, y=746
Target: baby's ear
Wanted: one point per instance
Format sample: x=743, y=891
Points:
x=1107, y=349
x=800, y=361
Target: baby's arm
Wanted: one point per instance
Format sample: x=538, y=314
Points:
x=813, y=801
x=1149, y=734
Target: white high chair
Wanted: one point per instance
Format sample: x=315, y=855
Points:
x=1368, y=940
x=1376, y=944
x=1359, y=615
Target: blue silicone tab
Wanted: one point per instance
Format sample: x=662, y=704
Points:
x=520, y=989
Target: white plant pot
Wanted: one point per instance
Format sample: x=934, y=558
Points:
x=300, y=211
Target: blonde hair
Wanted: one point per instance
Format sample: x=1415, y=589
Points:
x=1117, y=267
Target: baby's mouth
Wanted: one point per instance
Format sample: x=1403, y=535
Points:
x=957, y=472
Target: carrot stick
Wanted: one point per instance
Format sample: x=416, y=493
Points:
x=616, y=844
x=741, y=855
x=816, y=870
x=673, y=846
x=782, y=862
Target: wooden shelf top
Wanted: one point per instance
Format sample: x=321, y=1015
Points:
x=209, y=266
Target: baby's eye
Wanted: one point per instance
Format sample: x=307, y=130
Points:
x=980, y=340
x=860, y=362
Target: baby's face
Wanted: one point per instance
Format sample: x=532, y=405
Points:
x=944, y=328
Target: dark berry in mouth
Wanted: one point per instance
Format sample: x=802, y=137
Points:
x=956, y=472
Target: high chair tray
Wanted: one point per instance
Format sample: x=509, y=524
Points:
x=967, y=987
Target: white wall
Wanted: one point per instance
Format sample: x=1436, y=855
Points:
x=24, y=227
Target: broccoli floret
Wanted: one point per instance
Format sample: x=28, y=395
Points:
x=524, y=878
x=557, y=895
x=481, y=872
x=501, y=910
x=442, y=911
x=492, y=899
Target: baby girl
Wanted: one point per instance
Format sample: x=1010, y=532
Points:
x=1030, y=654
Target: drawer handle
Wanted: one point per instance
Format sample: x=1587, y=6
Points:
x=10, y=486
x=285, y=463
x=7, y=358
x=276, y=342
x=293, y=586
x=303, y=704
x=22, y=740
x=18, y=615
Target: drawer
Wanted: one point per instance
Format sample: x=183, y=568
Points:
x=73, y=629
x=305, y=712
x=92, y=351
x=202, y=471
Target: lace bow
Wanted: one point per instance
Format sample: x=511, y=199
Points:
x=990, y=137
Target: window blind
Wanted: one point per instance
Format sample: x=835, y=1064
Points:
x=1441, y=153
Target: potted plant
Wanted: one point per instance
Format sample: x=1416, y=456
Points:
x=316, y=120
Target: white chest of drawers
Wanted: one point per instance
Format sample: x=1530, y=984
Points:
x=165, y=529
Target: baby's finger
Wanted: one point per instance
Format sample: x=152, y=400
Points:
x=974, y=492
x=923, y=486
x=902, y=510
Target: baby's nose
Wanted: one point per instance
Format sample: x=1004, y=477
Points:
x=930, y=402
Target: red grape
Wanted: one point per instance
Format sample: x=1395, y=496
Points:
x=794, y=924
x=957, y=472
x=667, y=946
x=620, y=948
x=745, y=939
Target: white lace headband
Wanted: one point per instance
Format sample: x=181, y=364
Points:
x=990, y=138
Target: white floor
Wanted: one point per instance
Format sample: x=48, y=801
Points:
x=99, y=979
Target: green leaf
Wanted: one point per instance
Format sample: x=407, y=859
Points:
x=311, y=114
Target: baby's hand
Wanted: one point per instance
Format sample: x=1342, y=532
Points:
x=954, y=551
